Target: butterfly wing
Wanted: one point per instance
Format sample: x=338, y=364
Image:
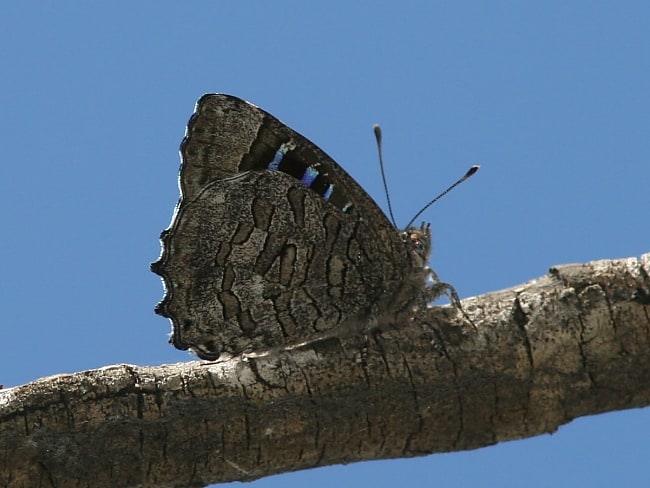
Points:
x=272, y=241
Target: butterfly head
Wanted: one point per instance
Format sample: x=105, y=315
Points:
x=419, y=241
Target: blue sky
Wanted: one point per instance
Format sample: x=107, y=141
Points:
x=551, y=98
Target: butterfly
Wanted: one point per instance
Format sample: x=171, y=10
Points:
x=273, y=243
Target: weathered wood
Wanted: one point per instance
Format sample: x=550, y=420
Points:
x=574, y=342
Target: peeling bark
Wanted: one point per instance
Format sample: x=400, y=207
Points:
x=574, y=342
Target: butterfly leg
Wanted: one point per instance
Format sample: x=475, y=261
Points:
x=439, y=288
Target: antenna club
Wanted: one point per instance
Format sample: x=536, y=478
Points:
x=377, y=129
x=472, y=170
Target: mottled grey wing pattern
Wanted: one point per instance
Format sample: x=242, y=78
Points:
x=272, y=242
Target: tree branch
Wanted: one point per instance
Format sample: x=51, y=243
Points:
x=574, y=342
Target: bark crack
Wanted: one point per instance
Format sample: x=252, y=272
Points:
x=520, y=318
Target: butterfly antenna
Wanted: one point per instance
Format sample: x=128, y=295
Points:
x=469, y=173
x=377, y=130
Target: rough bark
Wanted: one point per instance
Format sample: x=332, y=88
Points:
x=574, y=342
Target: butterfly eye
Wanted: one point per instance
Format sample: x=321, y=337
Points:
x=416, y=241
